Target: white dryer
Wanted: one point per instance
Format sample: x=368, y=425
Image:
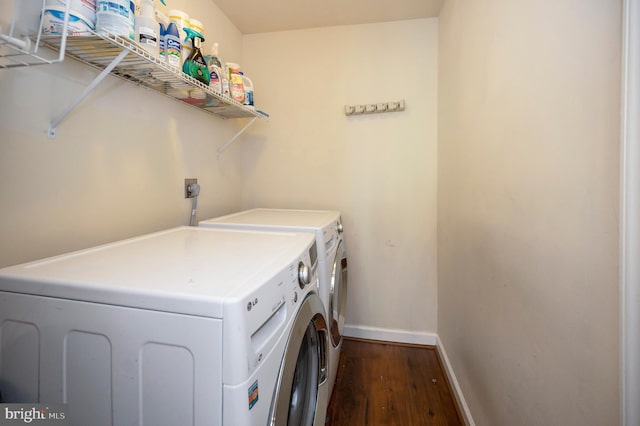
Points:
x=189, y=326
x=326, y=225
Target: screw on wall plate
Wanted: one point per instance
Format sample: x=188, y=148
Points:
x=187, y=191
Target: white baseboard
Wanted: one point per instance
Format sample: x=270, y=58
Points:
x=389, y=335
x=457, y=391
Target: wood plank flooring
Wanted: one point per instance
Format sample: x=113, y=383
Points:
x=388, y=384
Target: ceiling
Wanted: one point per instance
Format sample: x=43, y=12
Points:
x=258, y=16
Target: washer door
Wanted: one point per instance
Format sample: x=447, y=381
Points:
x=301, y=395
x=338, y=294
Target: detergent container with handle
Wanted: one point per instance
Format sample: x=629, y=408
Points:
x=236, y=87
x=248, y=90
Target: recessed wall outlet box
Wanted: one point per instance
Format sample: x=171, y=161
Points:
x=187, y=183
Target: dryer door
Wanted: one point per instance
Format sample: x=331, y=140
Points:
x=338, y=294
x=302, y=395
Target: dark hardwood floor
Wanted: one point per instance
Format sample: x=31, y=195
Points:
x=382, y=384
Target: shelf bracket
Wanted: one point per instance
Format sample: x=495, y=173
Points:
x=230, y=141
x=51, y=132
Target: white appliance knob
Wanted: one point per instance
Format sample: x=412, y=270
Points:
x=304, y=274
x=340, y=228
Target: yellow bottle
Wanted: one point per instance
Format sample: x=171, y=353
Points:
x=236, y=87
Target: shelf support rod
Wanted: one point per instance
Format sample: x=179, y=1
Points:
x=230, y=141
x=56, y=121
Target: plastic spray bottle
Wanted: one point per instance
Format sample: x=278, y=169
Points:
x=195, y=65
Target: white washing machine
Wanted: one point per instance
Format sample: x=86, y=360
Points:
x=189, y=326
x=326, y=225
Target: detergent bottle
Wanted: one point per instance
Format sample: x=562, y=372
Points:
x=236, y=86
x=215, y=83
x=220, y=69
x=195, y=65
x=215, y=69
x=248, y=90
x=225, y=82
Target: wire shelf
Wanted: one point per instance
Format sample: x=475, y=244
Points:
x=24, y=44
x=138, y=66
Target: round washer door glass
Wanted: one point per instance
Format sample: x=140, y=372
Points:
x=304, y=390
x=301, y=394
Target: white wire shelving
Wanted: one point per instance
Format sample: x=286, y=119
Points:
x=111, y=54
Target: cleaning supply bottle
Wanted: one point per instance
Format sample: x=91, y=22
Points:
x=173, y=46
x=215, y=69
x=162, y=42
x=147, y=28
x=215, y=83
x=195, y=65
x=215, y=56
x=225, y=82
x=235, y=82
x=248, y=90
x=215, y=61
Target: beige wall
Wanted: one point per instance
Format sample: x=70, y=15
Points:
x=524, y=133
x=528, y=208
x=117, y=166
x=379, y=170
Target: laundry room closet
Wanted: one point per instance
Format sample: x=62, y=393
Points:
x=483, y=218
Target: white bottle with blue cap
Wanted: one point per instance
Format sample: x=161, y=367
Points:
x=172, y=46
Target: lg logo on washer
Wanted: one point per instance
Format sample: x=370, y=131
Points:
x=252, y=303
